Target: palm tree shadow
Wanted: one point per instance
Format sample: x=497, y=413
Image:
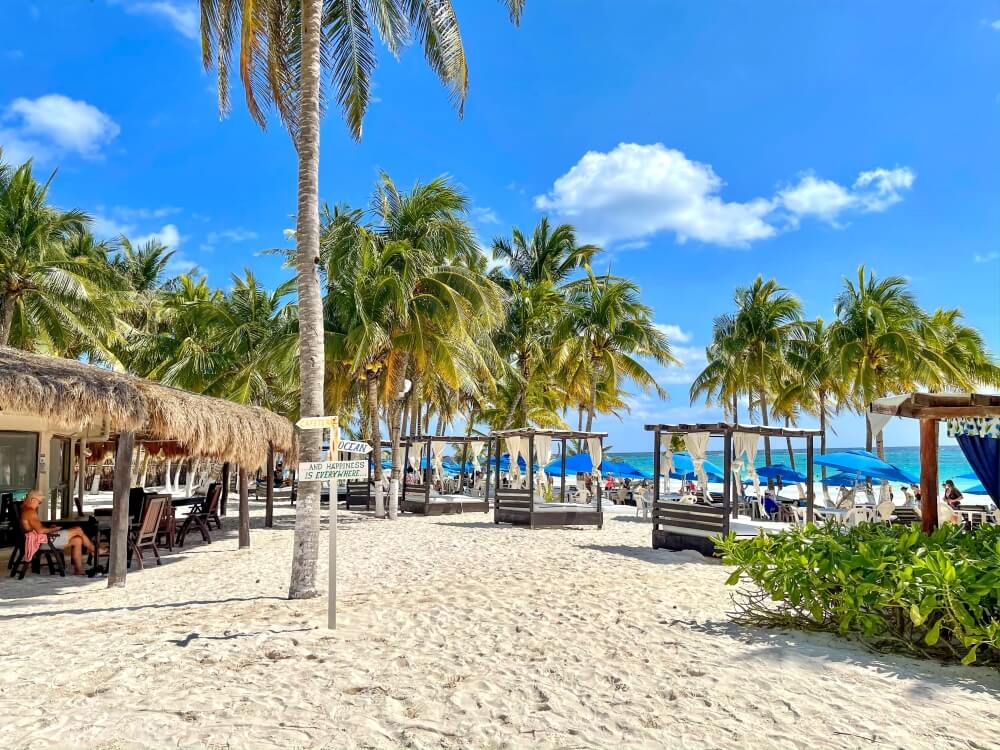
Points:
x=657, y=556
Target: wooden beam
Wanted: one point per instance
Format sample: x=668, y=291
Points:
x=118, y=557
x=269, y=484
x=225, y=487
x=929, y=474
x=810, y=485
x=245, y=508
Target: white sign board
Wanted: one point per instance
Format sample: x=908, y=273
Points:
x=316, y=423
x=354, y=446
x=324, y=471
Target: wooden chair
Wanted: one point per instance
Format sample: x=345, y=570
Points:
x=143, y=536
x=199, y=516
x=213, y=513
x=168, y=527
x=53, y=557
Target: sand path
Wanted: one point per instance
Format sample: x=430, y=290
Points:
x=454, y=633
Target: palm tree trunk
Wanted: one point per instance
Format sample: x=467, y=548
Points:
x=7, y=320
x=372, y=383
x=788, y=445
x=736, y=410
x=305, y=549
x=880, y=445
x=396, y=468
x=592, y=406
x=822, y=429
x=767, y=439
x=868, y=435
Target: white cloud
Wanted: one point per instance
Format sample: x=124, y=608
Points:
x=169, y=235
x=182, y=15
x=675, y=334
x=132, y=214
x=227, y=235
x=52, y=125
x=635, y=191
x=106, y=228
x=995, y=25
x=986, y=257
x=693, y=359
x=484, y=215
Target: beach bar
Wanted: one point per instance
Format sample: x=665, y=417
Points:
x=973, y=419
x=424, y=457
x=516, y=502
x=692, y=525
x=52, y=408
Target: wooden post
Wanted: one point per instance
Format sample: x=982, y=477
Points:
x=225, y=487
x=496, y=490
x=269, y=484
x=81, y=479
x=810, y=485
x=929, y=474
x=244, y=508
x=730, y=505
x=331, y=588
x=562, y=473
x=461, y=469
x=531, y=480
x=657, y=437
x=118, y=558
x=486, y=481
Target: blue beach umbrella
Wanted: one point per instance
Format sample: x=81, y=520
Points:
x=865, y=464
x=976, y=490
x=783, y=472
x=841, y=480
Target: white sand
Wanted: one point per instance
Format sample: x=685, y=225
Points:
x=454, y=633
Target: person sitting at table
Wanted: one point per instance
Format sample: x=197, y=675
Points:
x=770, y=504
x=36, y=534
x=951, y=494
x=609, y=482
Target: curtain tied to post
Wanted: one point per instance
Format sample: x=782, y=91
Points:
x=697, y=445
x=543, y=454
x=595, y=452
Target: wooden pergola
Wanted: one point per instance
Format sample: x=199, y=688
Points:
x=517, y=506
x=689, y=526
x=931, y=408
x=420, y=493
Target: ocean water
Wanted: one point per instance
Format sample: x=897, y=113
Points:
x=951, y=461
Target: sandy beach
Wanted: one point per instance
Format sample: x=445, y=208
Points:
x=453, y=633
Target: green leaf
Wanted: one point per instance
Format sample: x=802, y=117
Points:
x=934, y=634
x=915, y=616
x=970, y=656
x=734, y=578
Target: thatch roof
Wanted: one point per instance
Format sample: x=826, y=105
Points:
x=73, y=395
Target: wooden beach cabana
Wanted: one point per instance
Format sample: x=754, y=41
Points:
x=423, y=456
x=517, y=503
x=679, y=525
x=51, y=407
x=972, y=418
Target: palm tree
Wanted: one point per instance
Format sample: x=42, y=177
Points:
x=402, y=302
x=56, y=286
x=767, y=318
x=963, y=359
x=609, y=329
x=724, y=378
x=283, y=50
x=551, y=255
x=876, y=340
x=815, y=383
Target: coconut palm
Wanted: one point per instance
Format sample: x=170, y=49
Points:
x=877, y=340
x=767, y=318
x=56, y=286
x=608, y=330
x=550, y=255
x=724, y=378
x=283, y=50
x=962, y=358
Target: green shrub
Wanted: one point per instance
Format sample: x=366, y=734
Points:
x=893, y=587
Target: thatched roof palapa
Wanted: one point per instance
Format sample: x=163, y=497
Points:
x=74, y=395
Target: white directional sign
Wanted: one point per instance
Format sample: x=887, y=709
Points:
x=324, y=471
x=354, y=446
x=316, y=423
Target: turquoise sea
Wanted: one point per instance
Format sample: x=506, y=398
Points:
x=951, y=462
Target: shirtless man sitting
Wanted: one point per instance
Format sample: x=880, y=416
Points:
x=71, y=539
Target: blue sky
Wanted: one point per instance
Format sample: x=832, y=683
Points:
x=702, y=143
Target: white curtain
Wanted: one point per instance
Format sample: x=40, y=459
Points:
x=697, y=445
x=596, y=456
x=667, y=465
x=883, y=494
x=438, y=447
x=475, y=447
x=514, y=451
x=416, y=451
x=543, y=454
x=745, y=444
